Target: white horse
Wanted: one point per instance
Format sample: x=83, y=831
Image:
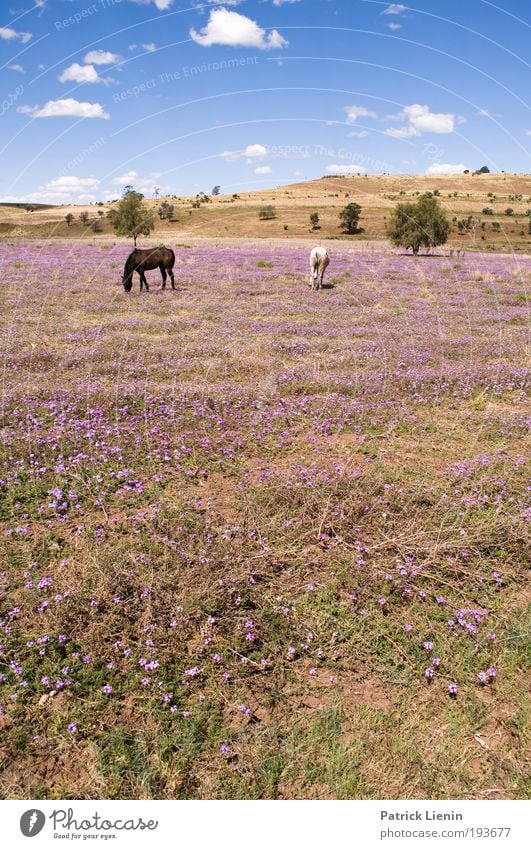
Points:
x=319, y=262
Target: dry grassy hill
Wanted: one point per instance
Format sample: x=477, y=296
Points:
x=236, y=216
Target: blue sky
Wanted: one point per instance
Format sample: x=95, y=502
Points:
x=253, y=93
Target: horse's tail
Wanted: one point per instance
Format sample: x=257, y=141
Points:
x=172, y=258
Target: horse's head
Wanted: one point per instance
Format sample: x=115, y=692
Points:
x=127, y=281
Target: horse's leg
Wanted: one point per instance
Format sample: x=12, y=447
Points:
x=163, y=272
x=144, y=281
x=172, y=278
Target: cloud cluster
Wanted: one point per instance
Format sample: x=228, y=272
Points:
x=438, y=168
x=234, y=30
x=9, y=34
x=354, y=112
x=87, y=73
x=69, y=107
x=420, y=120
x=394, y=9
x=252, y=153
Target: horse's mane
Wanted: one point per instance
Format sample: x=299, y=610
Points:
x=130, y=264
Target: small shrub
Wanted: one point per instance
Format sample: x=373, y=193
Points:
x=266, y=213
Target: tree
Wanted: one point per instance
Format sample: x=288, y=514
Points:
x=421, y=224
x=509, y=211
x=487, y=210
x=216, y=190
x=483, y=170
x=349, y=217
x=69, y=218
x=314, y=220
x=131, y=218
x=84, y=217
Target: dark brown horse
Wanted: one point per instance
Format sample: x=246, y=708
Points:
x=142, y=260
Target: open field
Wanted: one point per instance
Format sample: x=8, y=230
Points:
x=237, y=215
x=259, y=541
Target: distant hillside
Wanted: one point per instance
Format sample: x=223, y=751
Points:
x=499, y=203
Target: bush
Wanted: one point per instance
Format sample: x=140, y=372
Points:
x=509, y=211
x=266, y=213
x=487, y=210
x=314, y=220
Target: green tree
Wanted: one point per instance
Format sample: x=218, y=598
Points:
x=509, y=211
x=349, y=217
x=216, y=190
x=314, y=220
x=69, y=218
x=84, y=217
x=130, y=217
x=421, y=224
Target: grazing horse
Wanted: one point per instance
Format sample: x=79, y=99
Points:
x=142, y=260
x=319, y=262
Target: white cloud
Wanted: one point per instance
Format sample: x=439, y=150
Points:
x=393, y=27
x=394, y=9
x=263, y=169
x=143, y=183
x=71, y=185
x=235, y=30
x=8, y=34
x=18, y=68
x=80, y=74
x=125, y=179
x=281, y=2
x=354, y=112
x=101, y=57
x=345, y=169
x=253, y=152
x=421, y=120
x=401, y=132
x=360, y=134
x=63, y=190
x=161, y=5
x=65, y=108
x=437, y=168
x=150, y=48
x=528, y=132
